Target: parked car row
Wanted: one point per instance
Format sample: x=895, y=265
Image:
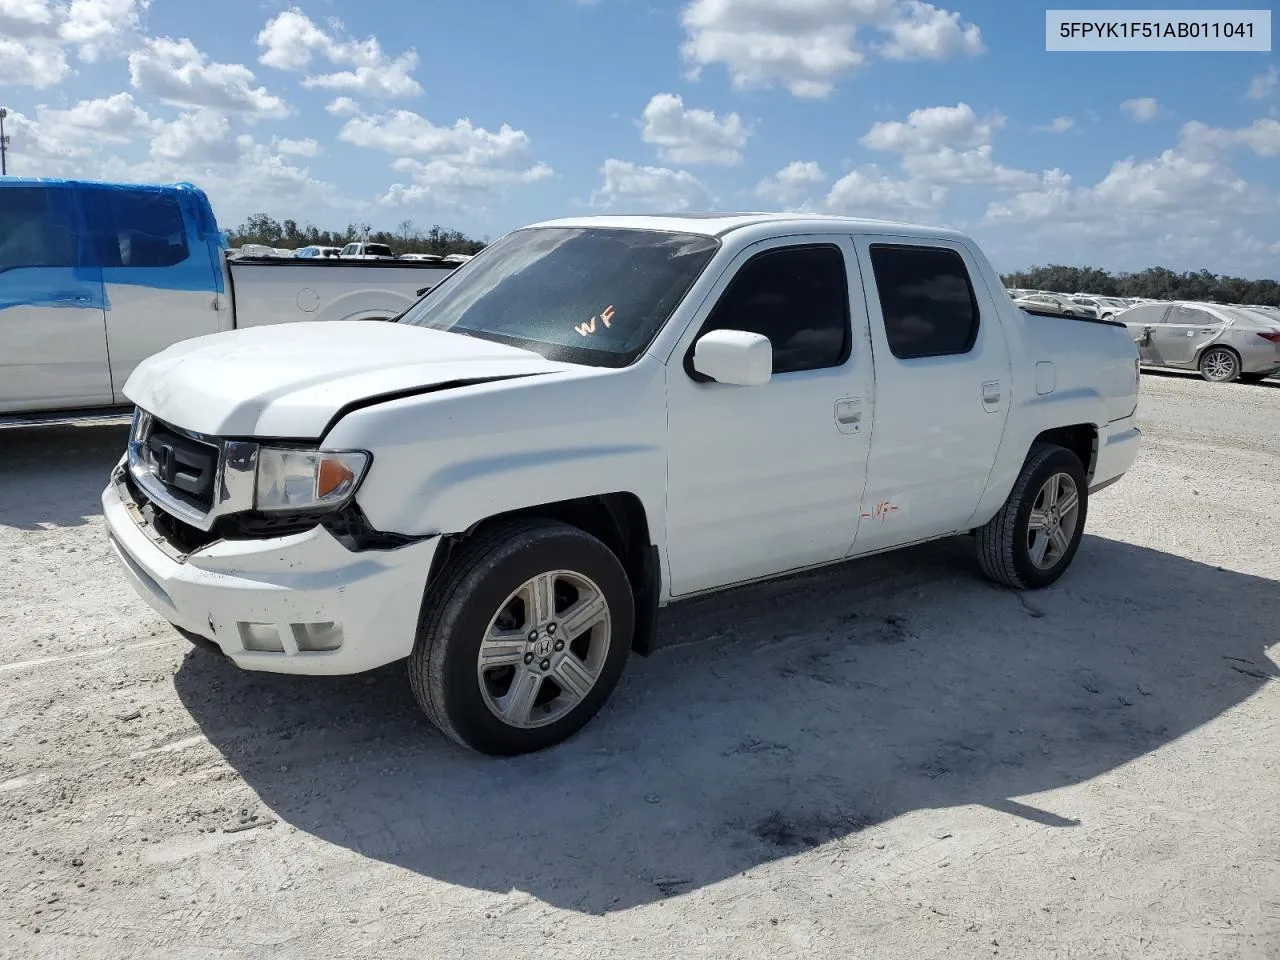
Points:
x=352, y=251
x=1222, y=342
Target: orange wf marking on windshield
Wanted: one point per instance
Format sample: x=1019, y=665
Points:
x=606, y=317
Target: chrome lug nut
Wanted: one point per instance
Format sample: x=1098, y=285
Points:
x=545, y=665
x=528, y=658
x=559, y=645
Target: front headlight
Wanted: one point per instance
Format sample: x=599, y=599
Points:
x=307, y=479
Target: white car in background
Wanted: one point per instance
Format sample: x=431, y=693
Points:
x=366, y=251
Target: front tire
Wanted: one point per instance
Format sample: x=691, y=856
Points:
x=1219, y=365
x=1032, y=540
x=523, y=637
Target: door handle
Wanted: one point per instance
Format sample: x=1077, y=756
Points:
x=849, y=415
x=991, y=393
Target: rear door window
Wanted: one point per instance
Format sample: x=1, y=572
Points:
x=928, y=302
x=135, y=228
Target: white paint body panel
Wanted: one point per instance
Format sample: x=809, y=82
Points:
x=737, y=483
x=289, y=381
x=284, y=291
x=143, y=321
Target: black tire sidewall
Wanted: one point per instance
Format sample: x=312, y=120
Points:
x=478, y=600
x=1059, y=461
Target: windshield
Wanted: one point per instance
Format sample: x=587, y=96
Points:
x=591, y=295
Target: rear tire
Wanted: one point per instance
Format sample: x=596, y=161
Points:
x=503, y=663
x=1033, y=539
x=1219, y=365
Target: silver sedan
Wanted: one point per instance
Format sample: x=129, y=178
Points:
x=1222, y=343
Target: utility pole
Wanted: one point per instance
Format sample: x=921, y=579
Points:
x=4, y=144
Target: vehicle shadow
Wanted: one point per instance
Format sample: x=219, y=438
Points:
x=52, y=476
x=783, y=717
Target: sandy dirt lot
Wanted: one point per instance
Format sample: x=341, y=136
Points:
x=894, y=759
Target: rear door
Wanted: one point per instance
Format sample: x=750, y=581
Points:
x=1184, y=332
x=160, y=281
x=942, y=375
x=53, y=349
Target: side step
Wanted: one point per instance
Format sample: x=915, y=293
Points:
x=58, y=418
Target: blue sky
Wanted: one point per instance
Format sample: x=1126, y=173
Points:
x=488, y=114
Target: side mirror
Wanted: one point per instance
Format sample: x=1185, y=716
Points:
x=734, y=357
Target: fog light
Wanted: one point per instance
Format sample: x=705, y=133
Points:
x=317, y=637
x=260, y=637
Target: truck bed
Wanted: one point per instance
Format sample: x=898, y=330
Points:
x=267, y=290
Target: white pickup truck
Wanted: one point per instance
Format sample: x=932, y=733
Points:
x=594, y=418
x=94, y=277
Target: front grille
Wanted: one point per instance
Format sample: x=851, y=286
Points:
x=184, y=465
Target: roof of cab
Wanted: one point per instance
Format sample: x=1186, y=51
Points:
x=720, y=224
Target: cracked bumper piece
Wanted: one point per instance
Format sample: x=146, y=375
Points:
x=301, y=604
x=1117, y=451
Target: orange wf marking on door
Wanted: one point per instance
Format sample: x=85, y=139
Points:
x=881, y=512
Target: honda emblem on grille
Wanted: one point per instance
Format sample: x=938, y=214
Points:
x=166, y=462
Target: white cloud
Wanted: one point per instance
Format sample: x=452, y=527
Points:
x=942, y=146
x=931, y=128
x=176, y=72
x=1201, y=140
x=114, y=119
x=296, y=148
x=790, y=187
x=34, y=32
x=807, y=45
x=98, y=27
x=1264, y=84
x=970, y=167
x=443, y=162
x=655, y=188
x=1058, y=125
x=200, y=137
x=692, y=136
x=921, y=31
x=867, y=192
x=343, y=107
x=23, y=19
x=405, y=133
x=291, y=40
x=32, y=63
x=1141, y=109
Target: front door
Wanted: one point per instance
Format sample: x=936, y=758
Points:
x=766, y=479
x=53, y=348
x=942, y=390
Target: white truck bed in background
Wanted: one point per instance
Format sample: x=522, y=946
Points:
x=269, y=290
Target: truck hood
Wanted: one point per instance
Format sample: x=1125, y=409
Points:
x=291, y=380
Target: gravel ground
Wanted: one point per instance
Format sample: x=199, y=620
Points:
x=894, y=759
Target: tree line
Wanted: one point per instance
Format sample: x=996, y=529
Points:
x=406, y=238
x=1155, y=283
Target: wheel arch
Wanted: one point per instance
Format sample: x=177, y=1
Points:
x=618, y=520
x=1080, y=438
